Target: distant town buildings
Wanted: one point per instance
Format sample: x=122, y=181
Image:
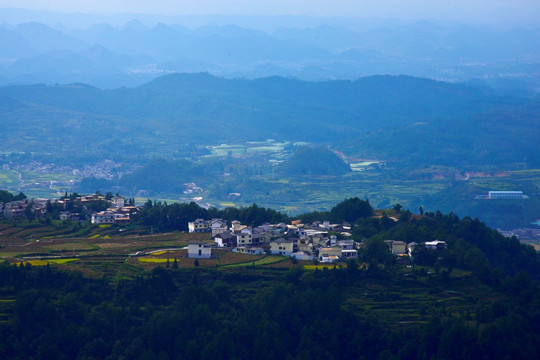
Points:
x=77, y=208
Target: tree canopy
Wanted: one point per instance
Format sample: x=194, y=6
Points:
x=351, y=210
x=314, y=160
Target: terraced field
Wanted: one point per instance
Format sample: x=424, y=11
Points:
x=259, y=261
x=408, y=301
x=102, y=251
x=109, y=252
x=7, y=302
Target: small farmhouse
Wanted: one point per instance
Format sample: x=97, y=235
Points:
x=225, y=239
x=199, y=250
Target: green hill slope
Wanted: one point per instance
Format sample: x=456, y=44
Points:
x=384, y=116
x=314, y=161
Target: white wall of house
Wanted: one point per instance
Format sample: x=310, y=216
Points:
x=244, y=239
x=285, y=248
x=198, y=226
x=199, y=250
x=106, y=217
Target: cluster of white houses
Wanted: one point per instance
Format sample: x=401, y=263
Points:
x=303, y=242
x=404, y=251
x=18, y=209
x=117, y=213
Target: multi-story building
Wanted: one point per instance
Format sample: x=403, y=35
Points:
x=103, y=217
x=282, y=247
x=199, y=226
x=218, y=226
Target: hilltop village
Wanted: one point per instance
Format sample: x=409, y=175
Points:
x=320, y=241
x=253, y=265
x=96, y=208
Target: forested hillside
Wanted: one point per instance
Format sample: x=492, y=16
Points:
x=314, y=161
x=408, y=140
x=475, y=299
x=392, y=117
x=201, y=314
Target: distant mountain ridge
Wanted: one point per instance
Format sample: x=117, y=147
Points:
x=341, y=95
x=134, y=53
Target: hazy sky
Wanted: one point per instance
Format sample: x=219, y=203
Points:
x=468, y=10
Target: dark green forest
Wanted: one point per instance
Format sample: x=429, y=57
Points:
x=204, y=314
x=6, y=196
x=175, y=216
x=477, y=299
x=314, y=161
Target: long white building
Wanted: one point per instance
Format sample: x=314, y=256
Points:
x=496, y=195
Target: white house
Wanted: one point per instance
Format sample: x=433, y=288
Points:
x=103, y=217
x=330, y=254
x=346, y=244
x=235, y=225
x=245, y=237
x=67, y=215
x=198, y=226
x=251, y=250
x=118, y=201
x=225, y=239
x=326, y=259
x=435, y=245
x=396, y=247
x=15, y=209
x=348, y=253
x=199, y=250
x=218, y=226
x=282, y=247
x=399, y=247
